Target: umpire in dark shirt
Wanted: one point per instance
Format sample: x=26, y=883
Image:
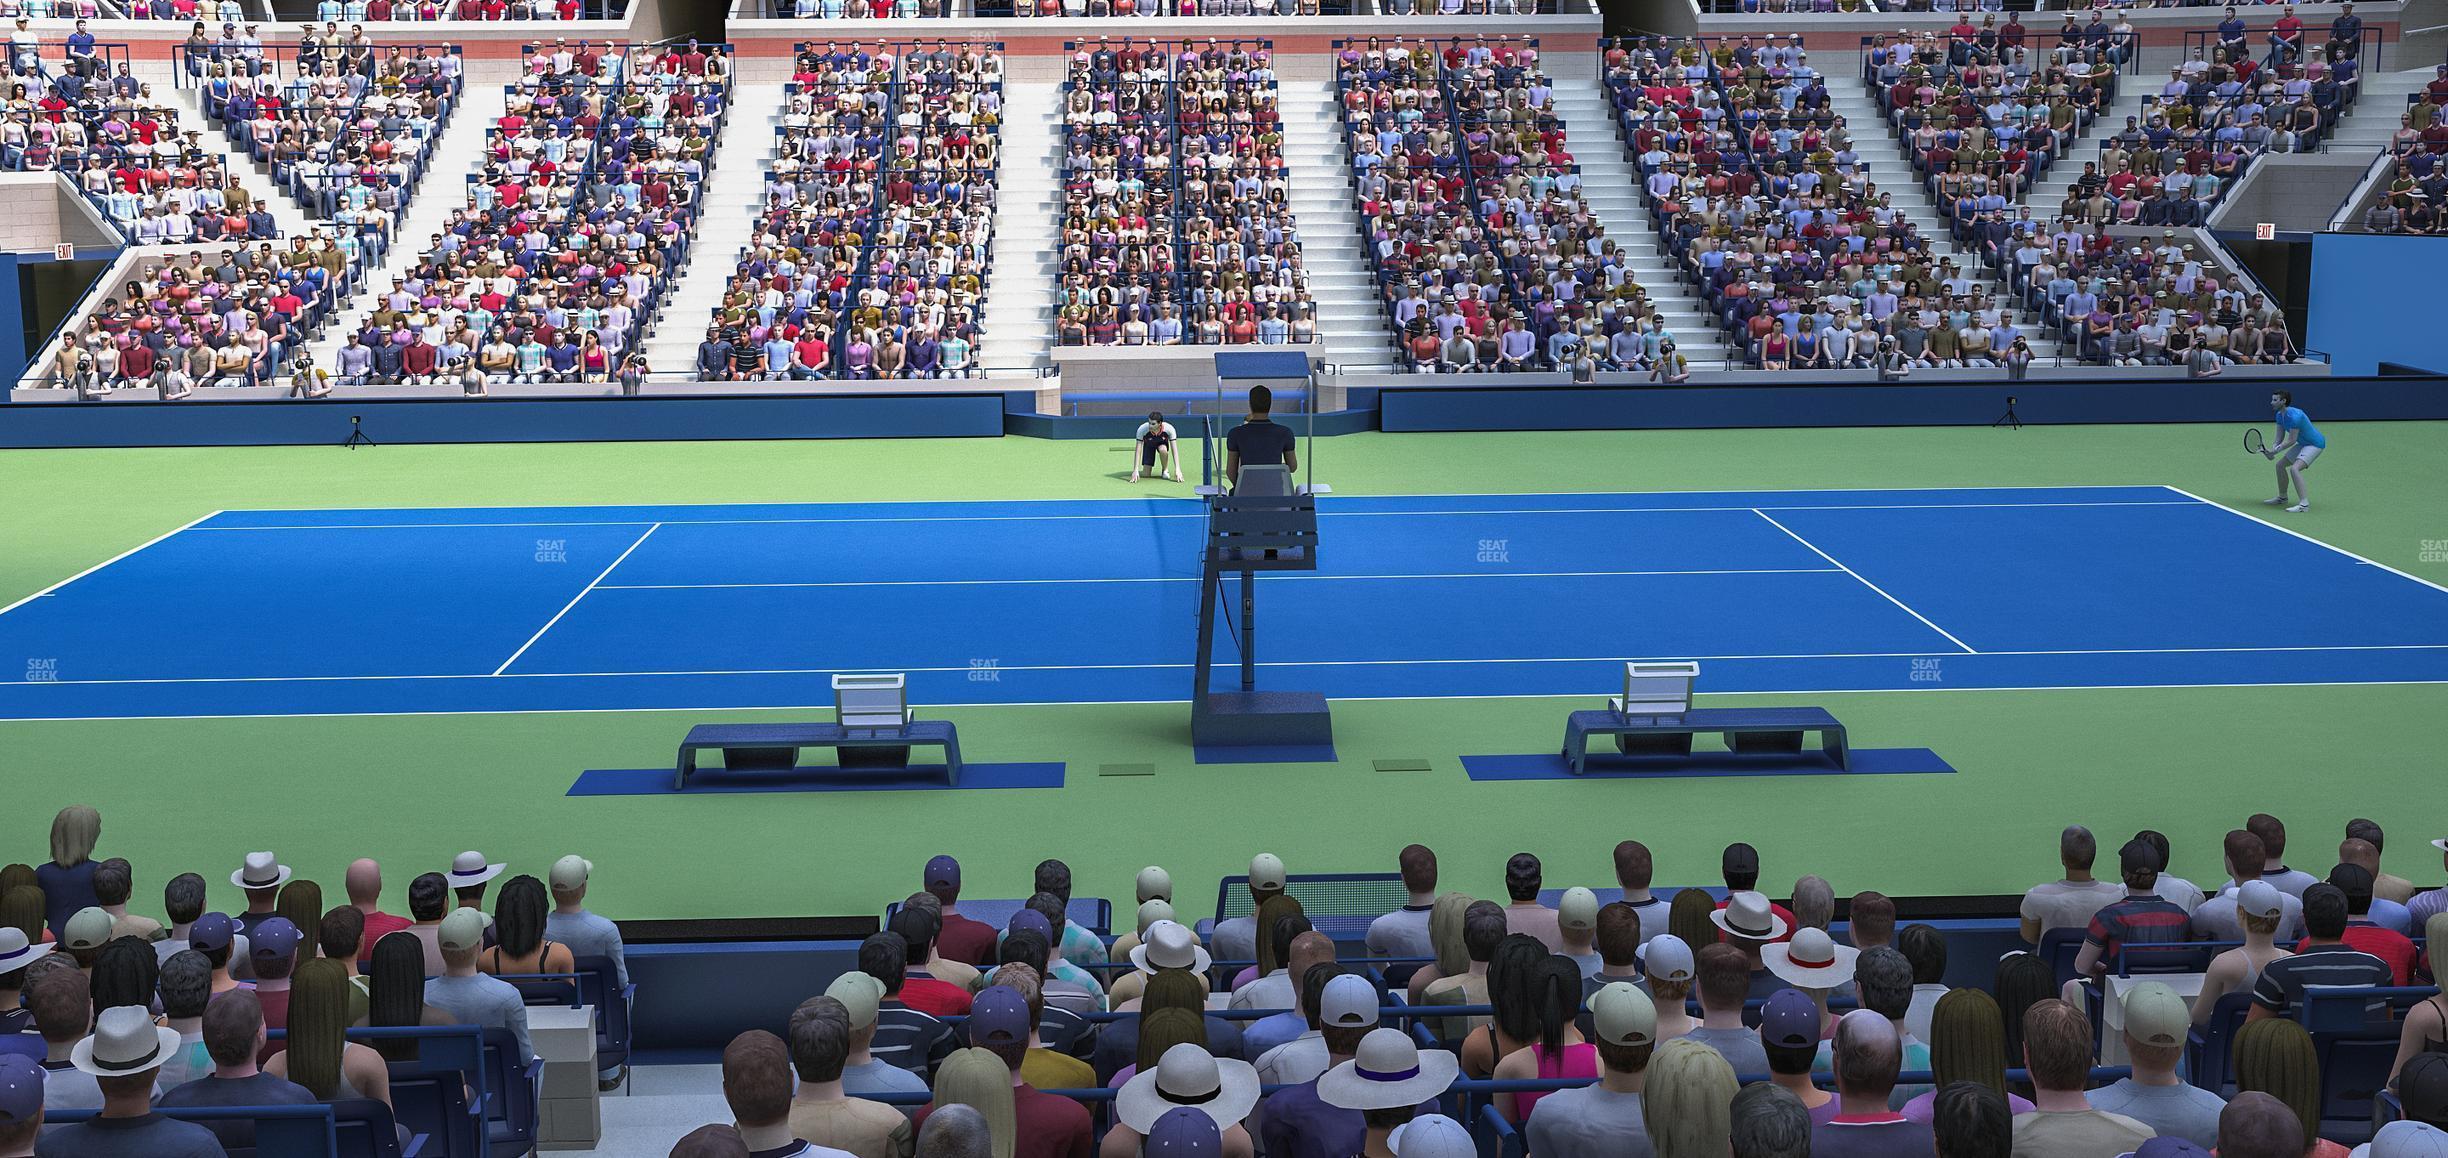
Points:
x=1261, y=441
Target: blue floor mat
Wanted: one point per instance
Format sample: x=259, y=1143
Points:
x=1266, y=754
x=1617, y=766
x=915, y=778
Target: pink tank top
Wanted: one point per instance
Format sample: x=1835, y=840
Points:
x=1579, y=1061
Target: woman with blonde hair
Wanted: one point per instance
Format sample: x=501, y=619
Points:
x=1687, y=1107
x=1445, y=935
x=976, y=1078
x=2275, y=1056
x=1967, y=1044
x=67, y=878
x=318, y=1054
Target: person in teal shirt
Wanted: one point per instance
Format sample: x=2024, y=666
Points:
x=2299, y=442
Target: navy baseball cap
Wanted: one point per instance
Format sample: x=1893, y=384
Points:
x=274, y=937
x=943, y=870
x=999, y=1016
x=1183, y=1132
x=1032, y=921
x=21, y=1089
x=1790, y=1020
x=210, y=931
x=2170, y=1147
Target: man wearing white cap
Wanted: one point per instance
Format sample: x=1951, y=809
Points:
x=858, y=1000
x=1404, y=932
x=586, y=934
x=2405, y=1140
x=2259, y=910
x=1237, y=939
x=1667, y=974
x=1296, y=1122
x=122, y=1057
x=261, y=877
x=470, y=997
x=1341, y=999
x=1429, y=1136
x=1386, y=1080
x=2156, y=1022
x=1577, y=924
x=1604, y=1120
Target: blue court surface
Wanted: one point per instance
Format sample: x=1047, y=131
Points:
x=334, y=612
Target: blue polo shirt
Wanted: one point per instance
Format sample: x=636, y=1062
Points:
x=2306, y=434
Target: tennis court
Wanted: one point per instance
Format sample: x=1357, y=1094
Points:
x=336, y=612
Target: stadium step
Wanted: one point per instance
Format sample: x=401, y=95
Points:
x=1350, y=315
x=1610, y=184
x=726, y=220
x=1018, y=316
x=455, y=157
x=188, y=107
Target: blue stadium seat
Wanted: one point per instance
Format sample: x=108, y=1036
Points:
x=433, y=1105
x=2207, y=1046
x=510, y=1112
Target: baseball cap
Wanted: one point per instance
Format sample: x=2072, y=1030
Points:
x=1740, y=859
x=942, y=870
x=1667, y=958
x=569, y=872
x=860, y=995
x=2259, y=898
x=999, y=1016
x=1349, y=1002
x=1154, y=883
x=462, y=930
x=1624, y=1015
x=2352, y=879
x=2138, y=856
x=210, y=931
x=1183, y=1132
x=1432, y=1136
x=1578, y=909
x=21, y=1089
x=2167, y=1146
x=1031, y=921
x=2422, y=1087
x=88, y=929
x=1266, y=871
x=277, y=937
x=2154, y=1015
x=2405, y=1140
x=1152, y=911
x=1790, y=1020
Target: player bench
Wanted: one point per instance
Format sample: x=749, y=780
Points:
x=1746, y=730
x=775, y=747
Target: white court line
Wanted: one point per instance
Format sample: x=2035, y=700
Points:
x=164, y=536
x=1287, y=663
x=1882, y=592
x=1580, y=697
x=1143, y=516
x=2285, y=530
x=1313, y=577
x=582, y=593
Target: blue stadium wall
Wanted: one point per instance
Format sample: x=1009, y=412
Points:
x=2367, y=304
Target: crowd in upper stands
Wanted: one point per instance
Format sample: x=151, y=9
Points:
x=2418, y=181
x=870, y=256
x=572, y=226
x=1666, y=1022
x=1176, y=220
x=1485, y=253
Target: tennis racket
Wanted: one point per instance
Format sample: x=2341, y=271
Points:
x=2253, y=443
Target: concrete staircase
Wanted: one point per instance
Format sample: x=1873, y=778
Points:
x=1351, y=315
x=187, y=104
x=2049, y=191
x=726, y=219
x=1874, y=139
x=444, y=190
x=1611, y=185
x=1018, y=315
x=2367, y=127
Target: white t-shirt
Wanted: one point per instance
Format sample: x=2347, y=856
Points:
x=1164, y=429
x=2069, y=904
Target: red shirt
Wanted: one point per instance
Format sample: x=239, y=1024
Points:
x=378, y=925
x=1047, y=1126
x=931, y=996
x=966, y=940
x=2388, y=945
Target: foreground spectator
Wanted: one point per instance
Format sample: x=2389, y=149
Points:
x=1045, y=1126
x=1686, y=1107
x=234, y=1035
x=2322, y=959
x=2069, y=903
x=1868, y=1056
x=469, y=996
x=122, y=1058
x=2062, y=1122
x=1388, y=1081
x=2156, y=1022
x=1605, y=1120
x=822, y=1112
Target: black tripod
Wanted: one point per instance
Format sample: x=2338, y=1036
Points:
x=2008, y=419
x=357, y=435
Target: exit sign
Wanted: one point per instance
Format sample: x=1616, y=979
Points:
x=2265, y=231
x=64, y=251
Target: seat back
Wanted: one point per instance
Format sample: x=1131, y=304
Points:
x=2208, y=1046
x=908, y=1038
x=433, y=1104
x=25, y=1045
x=599, y=986
x=1273, y=481
x=1062, y=1030
x=365, y=1128
x=2354, y=1068
x=510, y=1115
x=2059, y=947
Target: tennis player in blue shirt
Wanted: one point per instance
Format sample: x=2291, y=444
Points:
x=2299, y=442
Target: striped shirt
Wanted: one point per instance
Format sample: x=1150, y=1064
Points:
x=2283, y=981
x=2142, y=920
